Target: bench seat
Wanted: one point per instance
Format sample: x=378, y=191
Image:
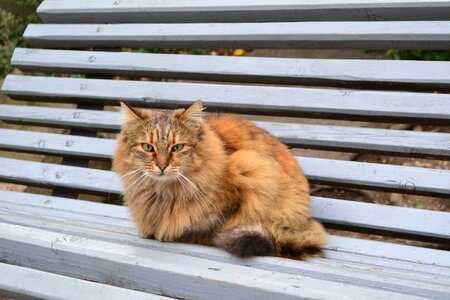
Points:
x=64, y=229
x=43, y=285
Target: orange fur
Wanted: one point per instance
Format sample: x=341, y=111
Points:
x=247, y=194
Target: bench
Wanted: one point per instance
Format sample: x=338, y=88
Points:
x=54, y=244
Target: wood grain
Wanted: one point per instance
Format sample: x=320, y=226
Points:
x=409, y=143
x=281, y=101
x=174, y=11
x=160, y=272
x=389, y=74
x=434, y=35
x=24, y=283
x=409, y=281
x=411, y=180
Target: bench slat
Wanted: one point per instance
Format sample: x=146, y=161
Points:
x=431, y=144
x=382, y=217
x=119, y=228
x=402, y=179
x=52, y=175
x=409, y=281
x=24, y=283
x=434, y=35
x=60, y=117
x=412, y=180
x=331, y=211
x=284, y=101
x=363, y=261
x=337, y=72
x=173, y=11
x=58, y=144
x=160, y=272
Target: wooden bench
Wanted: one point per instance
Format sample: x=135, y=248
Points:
x=54, y=246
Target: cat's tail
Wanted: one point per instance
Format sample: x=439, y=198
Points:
x=297, y=243
x=246, y=241
x=303, y=242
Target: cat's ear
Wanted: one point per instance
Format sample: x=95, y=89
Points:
x=193, y=113
x=130, y=113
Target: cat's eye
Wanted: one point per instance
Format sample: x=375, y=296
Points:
x=147, y=147
x=177, y=147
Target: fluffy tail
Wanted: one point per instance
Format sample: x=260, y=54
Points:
x=247, y=241
x=300, y=243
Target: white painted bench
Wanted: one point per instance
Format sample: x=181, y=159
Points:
x=57, y=247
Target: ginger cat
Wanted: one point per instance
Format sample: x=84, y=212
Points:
x=215, y=180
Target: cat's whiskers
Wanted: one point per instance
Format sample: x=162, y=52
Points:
x=194, y=187
x=184, y=187
x=187, y=187
x=133, y=173
x=189, y=190
x=129, y=173
x=138, y=183
x=140, y=175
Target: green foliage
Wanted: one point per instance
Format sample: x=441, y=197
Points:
x=14, y=16
x=10, y=30
x=419, y=54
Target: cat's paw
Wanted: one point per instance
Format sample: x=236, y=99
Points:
x=146, y=235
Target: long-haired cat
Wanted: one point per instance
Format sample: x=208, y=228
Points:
x=215, y=180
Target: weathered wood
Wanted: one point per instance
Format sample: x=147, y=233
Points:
x=333, y=138
x=384, y=249
x=58, y=144
x=159, y=272
x=362, y=260
x=377, y=176
x=349, y=73
x=392, y=263
x=23, y=283
x=409, y=281
x=285, y=101
x=64, y=204
x=173, y=11
x=61, y=117
x=433, y=35
x=400, y=267
x=74, y=161
x=51, y=175
x=381, y=217
x=413, y=180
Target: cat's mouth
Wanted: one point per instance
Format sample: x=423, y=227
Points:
x=163, y=175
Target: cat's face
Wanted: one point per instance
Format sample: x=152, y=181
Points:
x=162, y=145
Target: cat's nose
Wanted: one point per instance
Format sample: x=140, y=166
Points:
x=162, y=165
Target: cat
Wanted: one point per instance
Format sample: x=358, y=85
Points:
x=215, y=180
